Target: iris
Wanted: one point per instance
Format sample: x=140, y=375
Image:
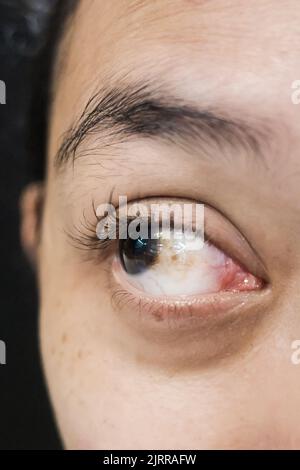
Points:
x=138, y=255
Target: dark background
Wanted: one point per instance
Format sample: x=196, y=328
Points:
x=26, y=421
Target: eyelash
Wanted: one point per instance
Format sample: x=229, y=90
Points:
x=84, y=237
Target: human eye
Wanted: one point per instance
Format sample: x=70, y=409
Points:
x=170, y=271
x=175, y=264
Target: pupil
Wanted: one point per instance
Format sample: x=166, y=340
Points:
x=138, y=255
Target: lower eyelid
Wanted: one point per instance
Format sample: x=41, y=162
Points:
x=185, y=333
x=180, y=308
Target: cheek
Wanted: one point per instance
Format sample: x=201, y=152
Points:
x=100, y=392
x=71, y=338
x=94, y=390
x=68, y=359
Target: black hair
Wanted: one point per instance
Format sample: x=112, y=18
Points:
x=43, y=69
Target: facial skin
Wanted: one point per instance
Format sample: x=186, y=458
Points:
x=120, y=373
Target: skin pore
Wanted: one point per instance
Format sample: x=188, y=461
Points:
x=185, y=99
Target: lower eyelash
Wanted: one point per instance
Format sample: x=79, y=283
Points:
x=171, y=314
x=167, y=311
x=179, y=309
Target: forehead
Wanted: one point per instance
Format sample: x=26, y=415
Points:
x=105, y=31
x=179, y=37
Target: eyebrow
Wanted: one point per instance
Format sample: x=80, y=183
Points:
x=119, y=114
